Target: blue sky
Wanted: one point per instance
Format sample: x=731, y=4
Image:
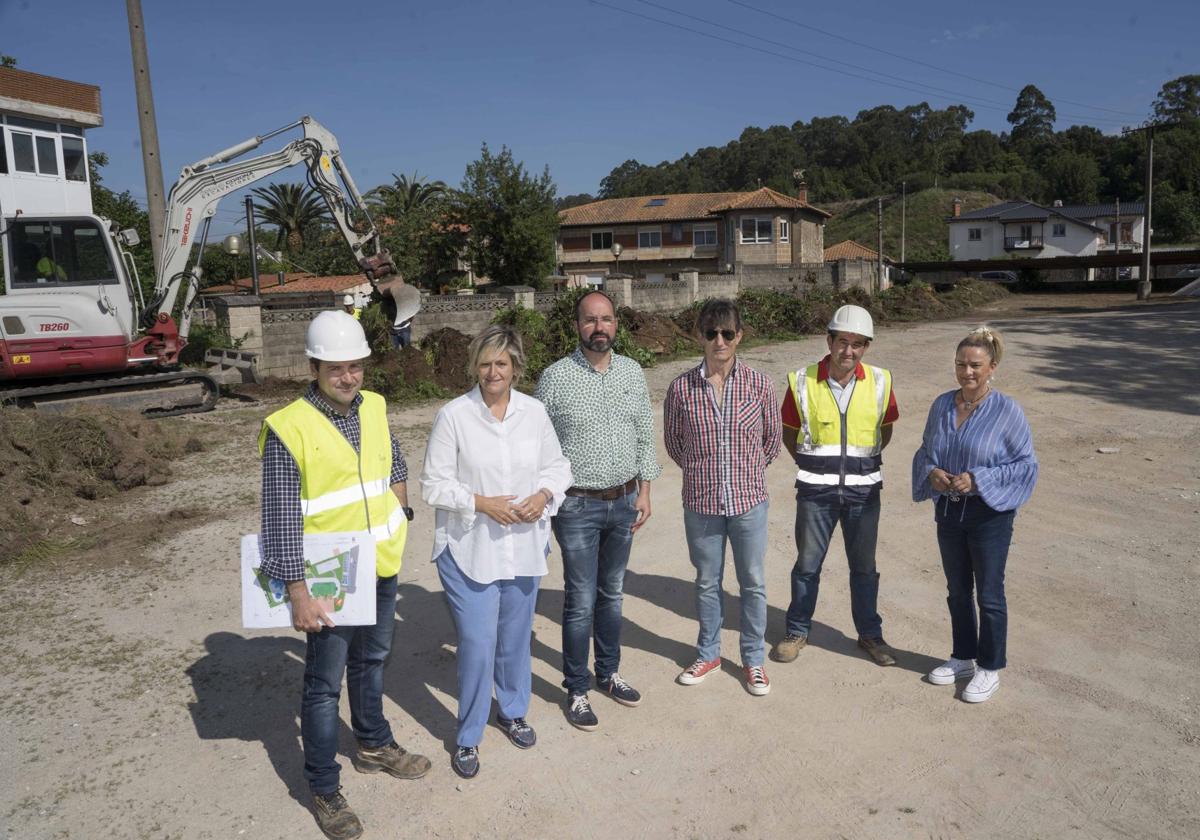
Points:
x=581, y=85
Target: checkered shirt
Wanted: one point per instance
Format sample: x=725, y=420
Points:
x=282, y=517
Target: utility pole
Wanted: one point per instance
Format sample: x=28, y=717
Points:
x=156, y=206
x=1143, y=287
x=879, y=224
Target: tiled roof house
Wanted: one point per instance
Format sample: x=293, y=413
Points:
x=706, y=232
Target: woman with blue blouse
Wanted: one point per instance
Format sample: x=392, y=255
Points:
x=977, y=463
x=495, y=474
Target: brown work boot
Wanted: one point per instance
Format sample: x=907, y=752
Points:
x=391, y=758
x=335, y=817
x=788, y=648
x=878, y=650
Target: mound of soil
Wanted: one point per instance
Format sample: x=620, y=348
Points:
x=449, y=350
x=655, y=332
x=47, y=459
x=273, y=387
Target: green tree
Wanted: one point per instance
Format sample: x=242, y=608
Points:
x=1072, y=177
x=7, y=61
x=568, y=201
x=405, y=194
x=292, y=208
x=1178, y=98
x=1033, y=116
x=511, y=217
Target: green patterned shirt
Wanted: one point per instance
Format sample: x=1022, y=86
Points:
x=603, y=420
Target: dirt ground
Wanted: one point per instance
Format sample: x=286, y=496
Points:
x=137, y=707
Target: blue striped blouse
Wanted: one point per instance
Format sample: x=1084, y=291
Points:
x=994, y=444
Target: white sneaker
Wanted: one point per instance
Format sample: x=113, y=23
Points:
x=951, y=671
x=982, y=686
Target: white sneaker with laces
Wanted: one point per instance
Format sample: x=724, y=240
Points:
x=951, y=671
x=982, y=686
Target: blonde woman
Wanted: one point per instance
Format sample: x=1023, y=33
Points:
x=495, y=474
x=977, y=463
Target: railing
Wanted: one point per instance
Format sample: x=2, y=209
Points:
x=544, y=300
x=463, y=303
x=1022, y=243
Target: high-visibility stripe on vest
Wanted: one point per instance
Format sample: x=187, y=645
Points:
x=833, y=449
x=340, y=489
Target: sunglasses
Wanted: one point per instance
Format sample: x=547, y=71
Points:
x=728, y=335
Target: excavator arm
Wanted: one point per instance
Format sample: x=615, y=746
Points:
x=193, y=201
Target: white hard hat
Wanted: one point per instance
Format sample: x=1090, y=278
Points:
x=348, y=300
x=336, y=337
x=852, y=319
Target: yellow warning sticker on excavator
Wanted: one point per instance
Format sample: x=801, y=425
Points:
x=22, y=360
x=325, y=161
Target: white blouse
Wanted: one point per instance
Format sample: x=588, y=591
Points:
x=470, y=452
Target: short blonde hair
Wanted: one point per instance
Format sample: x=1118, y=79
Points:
x=496, y=339
x=987, y=338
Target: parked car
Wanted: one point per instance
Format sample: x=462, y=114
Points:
x=1007, y=277
x=1188, y=272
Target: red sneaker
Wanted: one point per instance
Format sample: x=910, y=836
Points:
x=756, y=680
x=697, y=671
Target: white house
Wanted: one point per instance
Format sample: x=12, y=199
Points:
x=43, y=153
x=1028, y=230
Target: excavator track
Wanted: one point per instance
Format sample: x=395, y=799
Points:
x=153, y=394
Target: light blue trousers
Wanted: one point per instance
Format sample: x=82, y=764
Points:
x=494, y=622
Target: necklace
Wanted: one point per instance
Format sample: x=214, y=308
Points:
x=971, y=405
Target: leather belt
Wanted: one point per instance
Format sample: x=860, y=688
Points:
x=608, y=494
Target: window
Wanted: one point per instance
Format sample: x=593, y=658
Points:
x=650, y=238
x=3, y=155
x=59, y=253
x=974, y=234
x=755, y=230
x=1059, y=229
x=601, y=240
x=23, y=152
x=47, y=155
x=785, y=229
x=74, y=160
x=704, y=237
x=676, y=232
x=656, y=202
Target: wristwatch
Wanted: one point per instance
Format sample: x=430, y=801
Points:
x=408, y=513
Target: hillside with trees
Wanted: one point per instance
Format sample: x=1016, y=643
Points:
x=883, y=148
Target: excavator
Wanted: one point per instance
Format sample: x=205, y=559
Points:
x=74, y=327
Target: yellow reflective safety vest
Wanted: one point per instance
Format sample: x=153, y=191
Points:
x=340, y=489
x=835, y=450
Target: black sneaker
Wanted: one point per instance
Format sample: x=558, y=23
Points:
x=579, y=712
x=465, y=762
x=518, y=731
x=334, y=816
x=619, y=690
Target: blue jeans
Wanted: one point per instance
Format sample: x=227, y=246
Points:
x=974, y=541
x=494, y=622
x=360, y=653
x=815, y=521
x=595, y=540
x=706, y=538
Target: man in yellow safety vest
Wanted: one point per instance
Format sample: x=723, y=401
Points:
x=330, y=465
x=837, y=418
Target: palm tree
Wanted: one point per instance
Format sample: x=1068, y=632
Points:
x=405, y=193
x=292, y=208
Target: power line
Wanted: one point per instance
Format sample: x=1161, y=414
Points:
x=948, y=70
x=919, y=92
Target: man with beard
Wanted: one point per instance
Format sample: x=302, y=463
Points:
x=600, y=408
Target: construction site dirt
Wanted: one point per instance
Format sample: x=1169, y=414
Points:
x=138, y=706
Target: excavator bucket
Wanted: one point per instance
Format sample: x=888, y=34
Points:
x=232, y=367
x=407, y=298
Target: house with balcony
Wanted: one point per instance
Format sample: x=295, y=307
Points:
x=43, y=151
x=655, y=236
x=1032, y=231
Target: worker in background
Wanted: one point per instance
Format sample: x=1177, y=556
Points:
x=350, y=308
x=314, y=483
x=50, y=270
x=837, y=418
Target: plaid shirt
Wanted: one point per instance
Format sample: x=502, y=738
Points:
x=724, y=449
x=282, y=518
